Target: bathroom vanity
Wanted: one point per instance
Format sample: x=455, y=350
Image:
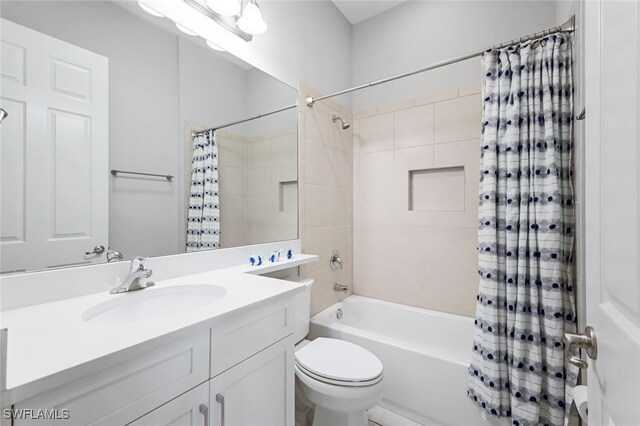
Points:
x=130, y=358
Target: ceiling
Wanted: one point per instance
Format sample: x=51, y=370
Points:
x=357, y=11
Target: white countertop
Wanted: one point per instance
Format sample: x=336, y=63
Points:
x=49, y=339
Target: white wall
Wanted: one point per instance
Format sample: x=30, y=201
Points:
x=307, y=41
x=419, y=33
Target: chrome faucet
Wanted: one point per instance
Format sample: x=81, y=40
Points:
x=137, y=277
x=341, y=287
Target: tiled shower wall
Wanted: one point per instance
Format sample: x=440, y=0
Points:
x=271, y=187
x=416, y=174
x=325, y=154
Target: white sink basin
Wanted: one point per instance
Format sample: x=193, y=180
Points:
x=151, y=303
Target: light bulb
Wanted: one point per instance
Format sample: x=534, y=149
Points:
x=224, y=7
x=149, y=10
x=251, y=20
x=215, y=46
x=185, y=30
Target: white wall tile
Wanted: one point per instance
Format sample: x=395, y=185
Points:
x=232, y=179
x=231, y=209
x=376, y=206
x=413, y=127
x=318, y=206
x=341, y=164
x=458, y=119
x=230, y=152
x=462, y=153
x=258, y=153
x=318, y=169
x=440, y=189
x=316, y=123
x=408, y=159
x=341, y=240
x=284, y=149
x=341, y=207
x=375, y=133
x=319, y=243
x=376, y=169
x=258, y=181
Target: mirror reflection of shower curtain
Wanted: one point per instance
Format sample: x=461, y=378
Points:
x=203, y=222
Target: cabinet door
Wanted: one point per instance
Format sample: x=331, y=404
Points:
x=189, y=409
x=256, y=392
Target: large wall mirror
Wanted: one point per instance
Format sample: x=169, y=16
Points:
x=95, y=89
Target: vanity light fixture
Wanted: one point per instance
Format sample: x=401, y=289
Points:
x=215, y=46
x=225, y=7
x=185, y=30
x=149, y=10
x=251, y=19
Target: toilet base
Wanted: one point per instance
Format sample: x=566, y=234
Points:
x=323, y=417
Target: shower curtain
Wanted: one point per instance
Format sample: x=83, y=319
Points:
x=525, y=302
x=203, y=223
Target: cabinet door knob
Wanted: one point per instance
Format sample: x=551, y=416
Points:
x=220, y=399
x=205, y=412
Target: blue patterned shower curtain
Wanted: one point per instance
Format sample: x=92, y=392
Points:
x=203, y=223
x=525, y=301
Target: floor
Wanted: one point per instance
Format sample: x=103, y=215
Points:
x=379, y=416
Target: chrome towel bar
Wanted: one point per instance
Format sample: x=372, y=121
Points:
x=116, y=172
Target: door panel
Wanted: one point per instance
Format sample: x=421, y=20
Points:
x=13, y=187
x=55, y=151
x=263, y=382
x=612, y=210
x=181, y=411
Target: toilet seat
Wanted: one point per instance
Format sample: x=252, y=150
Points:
x=338, y=362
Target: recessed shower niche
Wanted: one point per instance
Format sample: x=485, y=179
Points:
x=438, y=189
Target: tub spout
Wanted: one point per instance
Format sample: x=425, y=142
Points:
x=341, y=287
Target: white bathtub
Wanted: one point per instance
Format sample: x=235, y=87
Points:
x=425, y=356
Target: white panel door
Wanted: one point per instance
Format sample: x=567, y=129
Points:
x=612, y=149
x=54, y=148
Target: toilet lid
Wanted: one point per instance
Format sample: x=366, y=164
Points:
x=339, y=360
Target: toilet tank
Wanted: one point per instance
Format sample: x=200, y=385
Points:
x=302, y=310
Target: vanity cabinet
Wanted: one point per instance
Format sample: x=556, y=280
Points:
x=239, y=369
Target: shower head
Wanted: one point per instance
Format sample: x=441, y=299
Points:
x=345, y=124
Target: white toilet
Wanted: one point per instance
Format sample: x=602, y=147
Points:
x=339, y=379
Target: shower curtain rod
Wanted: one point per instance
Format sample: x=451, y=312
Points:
x=195, y=133
x=568, y=26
